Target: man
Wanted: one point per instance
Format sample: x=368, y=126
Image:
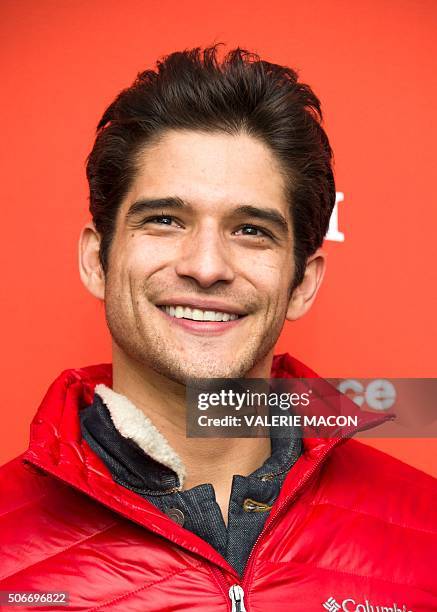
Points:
x=211, y=191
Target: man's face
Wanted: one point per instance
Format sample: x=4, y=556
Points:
x=202, y=257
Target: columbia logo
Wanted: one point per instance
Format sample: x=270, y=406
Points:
x=350, y=605
x=331, y=605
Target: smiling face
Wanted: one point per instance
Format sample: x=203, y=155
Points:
x=201, y=262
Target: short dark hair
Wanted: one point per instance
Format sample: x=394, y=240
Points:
x=193, y=90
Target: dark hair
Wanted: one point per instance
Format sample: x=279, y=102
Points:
x=193, y=90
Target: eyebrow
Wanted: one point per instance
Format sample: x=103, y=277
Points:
x=270, y=215
x=152, y=204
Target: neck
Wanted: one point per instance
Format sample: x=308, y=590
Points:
x=206, y=460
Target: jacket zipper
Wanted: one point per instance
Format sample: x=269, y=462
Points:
x=223, y=583
x=236, y=595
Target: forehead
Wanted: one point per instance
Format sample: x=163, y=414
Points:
x=209, y=170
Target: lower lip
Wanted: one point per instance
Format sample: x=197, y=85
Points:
x=203, y=327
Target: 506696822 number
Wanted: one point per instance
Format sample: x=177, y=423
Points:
x=36, y=598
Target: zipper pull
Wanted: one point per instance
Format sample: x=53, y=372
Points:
x=236, y=595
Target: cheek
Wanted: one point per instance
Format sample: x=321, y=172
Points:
x=270, y=276
x=274, y=285
x=139, y=256
x=274, y=263
x=146, y=254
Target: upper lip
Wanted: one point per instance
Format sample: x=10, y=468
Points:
x=203, y=304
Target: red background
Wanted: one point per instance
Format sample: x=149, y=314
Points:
x=372, y=63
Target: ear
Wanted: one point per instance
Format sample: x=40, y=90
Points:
x=90, y=268
x=304, y=295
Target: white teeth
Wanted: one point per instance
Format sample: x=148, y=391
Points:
x=209, y=315
x=196, y=314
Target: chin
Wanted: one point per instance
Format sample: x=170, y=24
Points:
x=183, y=372
x=184, y=375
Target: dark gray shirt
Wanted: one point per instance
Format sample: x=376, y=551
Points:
x=195, y=509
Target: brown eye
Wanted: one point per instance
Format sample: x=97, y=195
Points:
x=164, y=220
x=253, y=230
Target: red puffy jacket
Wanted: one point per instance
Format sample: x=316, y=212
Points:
x=352, y=528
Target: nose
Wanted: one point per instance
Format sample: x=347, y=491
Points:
x=205, y=258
